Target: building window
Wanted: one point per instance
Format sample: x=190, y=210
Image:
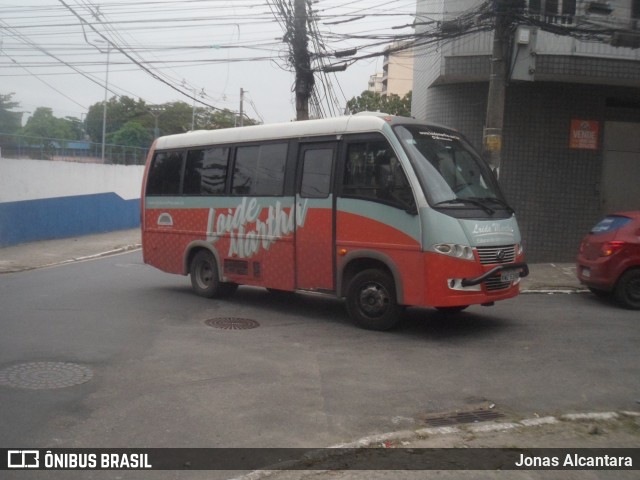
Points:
x=568, y=7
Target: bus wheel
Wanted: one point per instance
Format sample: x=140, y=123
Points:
x=204, y=277
x=371, y=300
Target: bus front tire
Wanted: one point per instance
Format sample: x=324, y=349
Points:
x=371, y=300
x=204, y=277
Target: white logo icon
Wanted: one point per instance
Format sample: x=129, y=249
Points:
x=23, y=459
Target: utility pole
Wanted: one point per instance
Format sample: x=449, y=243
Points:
x=492, y=134
x=242, y=107
x=104, y=106
x=302, y=60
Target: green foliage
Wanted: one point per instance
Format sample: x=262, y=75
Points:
x=119, y=111
x=171, y=117
x=374, y=102
x=44, y=124
x=10, y=122
x=129, y=122
x=132, y=134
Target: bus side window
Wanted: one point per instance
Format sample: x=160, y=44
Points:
x=206, y=171
x=259, y=169
x=165, y=174
x=372, y=171
x=316, y=173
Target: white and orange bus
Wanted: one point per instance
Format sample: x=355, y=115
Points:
x=382, y=211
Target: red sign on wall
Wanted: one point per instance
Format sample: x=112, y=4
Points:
x=584, y=134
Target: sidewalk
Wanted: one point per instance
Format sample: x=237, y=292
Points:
x=376, y=455
x=29, y=256
x=543, y=277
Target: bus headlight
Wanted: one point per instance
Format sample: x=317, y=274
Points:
x=464, y=252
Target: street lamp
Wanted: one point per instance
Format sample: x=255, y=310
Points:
x=156, y=111
x=193, y=111
x=106, y=90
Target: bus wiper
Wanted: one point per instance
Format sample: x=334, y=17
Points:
x=499, y=202
x=473, y=201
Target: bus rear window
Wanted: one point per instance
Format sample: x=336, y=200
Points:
x=165, y=174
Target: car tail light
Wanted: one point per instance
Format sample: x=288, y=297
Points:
x=609, y=248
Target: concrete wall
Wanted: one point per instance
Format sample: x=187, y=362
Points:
x=42, y=199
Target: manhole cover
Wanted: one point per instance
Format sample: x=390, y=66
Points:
x=45, y=375
x=232, y=323
x=457, y=418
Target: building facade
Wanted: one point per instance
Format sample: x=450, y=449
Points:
x=571, y=136
x=397, y=70
x=375, y=83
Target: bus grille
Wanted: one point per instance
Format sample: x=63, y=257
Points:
x=495, y=283
x=504, y=254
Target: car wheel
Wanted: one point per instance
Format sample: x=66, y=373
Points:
x=371, y=300
x=204, y=277
x=627, y=291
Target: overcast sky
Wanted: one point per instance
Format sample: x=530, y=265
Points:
x=55, y=55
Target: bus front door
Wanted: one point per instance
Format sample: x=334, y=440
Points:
x=315, y=217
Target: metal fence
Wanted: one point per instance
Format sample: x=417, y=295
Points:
x=55, y=149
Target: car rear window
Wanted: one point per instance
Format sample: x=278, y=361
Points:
x=610, y=224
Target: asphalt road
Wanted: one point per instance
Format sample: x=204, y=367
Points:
x=305, y=377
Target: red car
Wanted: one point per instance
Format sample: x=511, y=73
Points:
x=609, y=258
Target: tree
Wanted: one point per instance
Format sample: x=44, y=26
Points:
x=44, y=124
x=172, y=117
x=374, y=102
x=217, y=119
x=132, y=134
x=119, y=111
x=10, y=122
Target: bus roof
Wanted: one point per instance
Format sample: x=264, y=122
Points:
x=366, y=122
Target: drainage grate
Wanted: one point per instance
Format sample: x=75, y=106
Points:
x=461, y=417
x=232, y=323
x=45, y=375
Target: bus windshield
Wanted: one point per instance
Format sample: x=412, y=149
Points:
x=448, y=168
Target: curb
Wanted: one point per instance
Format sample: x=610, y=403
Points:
x=108, y=253
x=404, y=437
x=554, y=291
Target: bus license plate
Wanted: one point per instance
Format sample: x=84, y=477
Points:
x=510, y=276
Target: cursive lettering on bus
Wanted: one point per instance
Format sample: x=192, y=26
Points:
x=247, y=232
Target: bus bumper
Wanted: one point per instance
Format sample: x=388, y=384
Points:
x=519, y=269
x=453, y=282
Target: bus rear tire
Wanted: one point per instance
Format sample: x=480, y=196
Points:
x=204, y=277
x=371, y=300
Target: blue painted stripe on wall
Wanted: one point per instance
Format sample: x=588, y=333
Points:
x=32, y=220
